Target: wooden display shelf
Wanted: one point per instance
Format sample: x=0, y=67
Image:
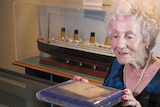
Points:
x=33, y=63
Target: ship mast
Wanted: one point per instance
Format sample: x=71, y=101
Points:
x=48, y=27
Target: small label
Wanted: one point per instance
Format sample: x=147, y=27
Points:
x=93, y=2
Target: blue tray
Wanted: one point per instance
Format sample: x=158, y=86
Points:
x=56, y=96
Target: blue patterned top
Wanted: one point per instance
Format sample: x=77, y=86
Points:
x=149, y=97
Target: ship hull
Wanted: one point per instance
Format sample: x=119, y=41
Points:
x=76, y=60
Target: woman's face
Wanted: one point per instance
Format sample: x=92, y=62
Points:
x=127, y=42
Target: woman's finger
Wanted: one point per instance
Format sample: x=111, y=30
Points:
x=79, y=78
x=128, y=98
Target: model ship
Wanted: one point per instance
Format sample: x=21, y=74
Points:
x=87, y=57
x=79, y=45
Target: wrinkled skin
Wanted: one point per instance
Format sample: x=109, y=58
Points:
x=127, y=42
x=129, y=48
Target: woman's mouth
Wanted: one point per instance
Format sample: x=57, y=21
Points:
x=122, y=53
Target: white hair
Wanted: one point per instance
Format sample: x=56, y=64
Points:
x=145, y=13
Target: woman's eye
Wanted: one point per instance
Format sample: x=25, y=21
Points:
x=129, y=36
x=114, y=35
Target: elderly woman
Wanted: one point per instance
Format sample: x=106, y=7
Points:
x=133, y=26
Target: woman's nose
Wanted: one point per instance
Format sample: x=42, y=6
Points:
x=121, y=43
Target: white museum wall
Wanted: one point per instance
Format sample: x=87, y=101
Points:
x=156, y=49
x=27, y=24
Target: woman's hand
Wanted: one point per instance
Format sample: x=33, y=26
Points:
x=129, y=100
x=78, y=78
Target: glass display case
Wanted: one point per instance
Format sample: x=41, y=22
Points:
x=70, y=36
x=74, y=38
